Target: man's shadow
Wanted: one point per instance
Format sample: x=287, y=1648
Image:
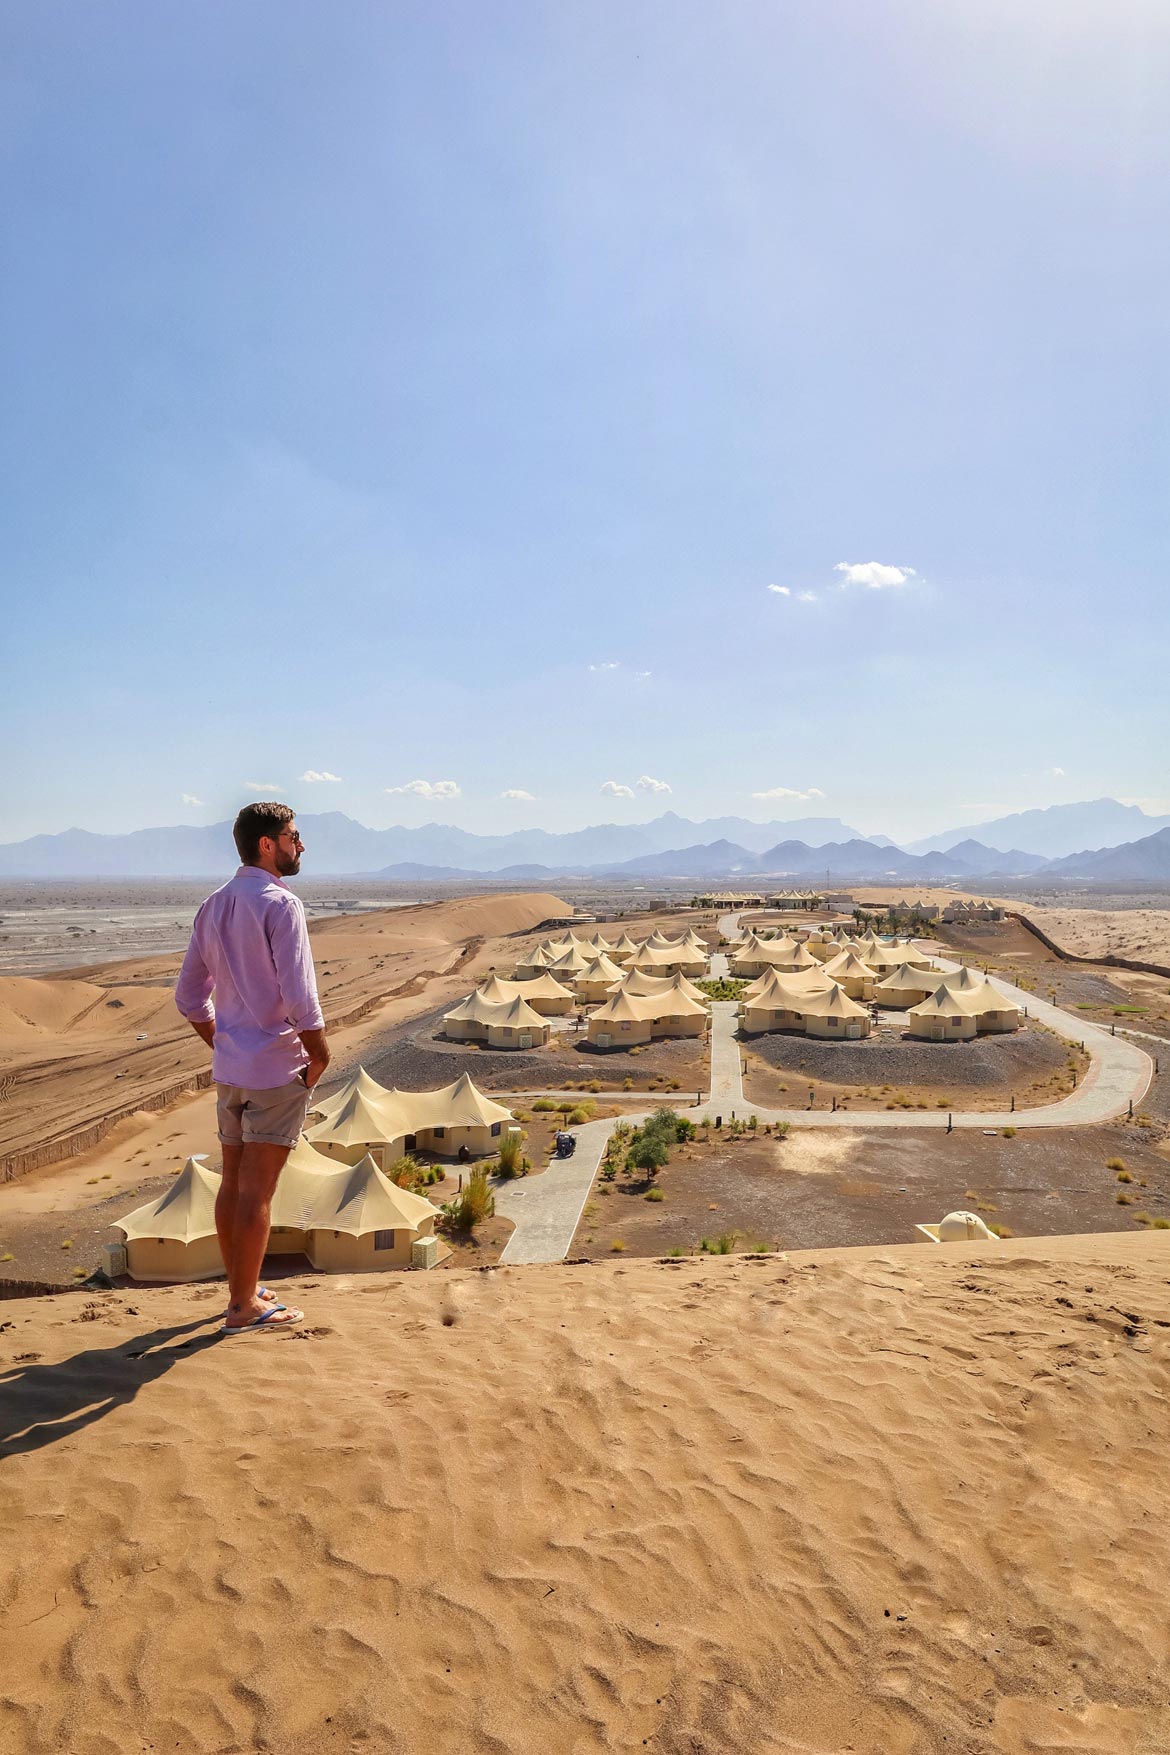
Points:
x=41, y=1404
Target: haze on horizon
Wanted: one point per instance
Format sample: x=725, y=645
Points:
x=517, y=416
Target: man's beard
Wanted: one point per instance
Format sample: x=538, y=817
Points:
x=287, y=864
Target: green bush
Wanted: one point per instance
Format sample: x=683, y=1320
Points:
x=512, y=1159
x=545, y=1106
x=654, y=1194
x=724, y=1244
x=474, y=1203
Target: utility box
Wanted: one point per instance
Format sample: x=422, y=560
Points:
x=424, y=1252
x=114, y=1259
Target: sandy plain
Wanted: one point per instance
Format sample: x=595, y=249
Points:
x=901, y=1500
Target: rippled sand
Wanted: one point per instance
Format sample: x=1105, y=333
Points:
x=885, y=1501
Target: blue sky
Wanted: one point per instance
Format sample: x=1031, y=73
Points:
x=432, y=393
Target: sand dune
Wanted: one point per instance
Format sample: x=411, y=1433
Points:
x=70, y=1054
x=1142, y=934
x=891, y=1502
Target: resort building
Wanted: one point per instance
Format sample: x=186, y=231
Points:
x=501, y=1024
x=849, y=972
x=598, y=980
x=542, y=991
x=670, y=957
x=906, y=986
x=641, y=986
x=778, y=1002
x=626, y=1020
x=833, y=1014
x=394, y=1123
x=944, y=1017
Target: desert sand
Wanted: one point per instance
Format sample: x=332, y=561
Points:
x=890, y=1502
x=83, y=1049
x=1142, y=934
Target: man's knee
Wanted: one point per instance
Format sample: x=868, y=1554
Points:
x=260, y=1166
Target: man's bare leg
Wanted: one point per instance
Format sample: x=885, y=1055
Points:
x=225, y=1200
x=253, y=1186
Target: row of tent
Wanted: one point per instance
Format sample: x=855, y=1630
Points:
x=939, y=1008
x=334, y=1201
x=562, y=975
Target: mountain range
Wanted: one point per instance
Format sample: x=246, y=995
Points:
x=1063, y=841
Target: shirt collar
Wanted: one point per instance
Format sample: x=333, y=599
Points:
x=258, y=871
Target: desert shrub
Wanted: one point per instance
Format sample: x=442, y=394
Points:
x=617, y=1246
x=579, y=1111
x=1009, y=1133
x=1143, y=1218
x=512, y=1159
x=1001, y=1230
x=649, y=1152
x=724, y=1244
x=753, y=1122
x=575, y=1117
x=521, y=1115
x=1124, y=1176
x=593, y=1085
x=627, y=1084
x=608, y=1170
x=1161, y=1224
x=653, y=1194
x=1123, y=1199
x=404, y=1173
x=474, y=1202
x=544, y=1106
x=1115, y=1164
x=782, y=1130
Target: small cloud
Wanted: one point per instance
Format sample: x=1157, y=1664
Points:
x=190, y=798
x=646, y=783
x=314, y=774
x=1056, y=773
x=429, y=788
x=790, y=792
x=613, y=664
x=519, y=794
x=874, y=574
x=806, y=597
x=613, y=789
x=265, y=788
x=780, y=590
x=642, y=675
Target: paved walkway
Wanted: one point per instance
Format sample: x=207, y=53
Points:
x=545, y=1209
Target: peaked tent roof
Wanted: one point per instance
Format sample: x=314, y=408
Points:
x=641, y=985
x=945, y=1003
x=847, y=964
x=833, y=1003
x=623, y=1007
x=182, y=1213
x=778, y=993
x=361, y=1083
x=601, y=969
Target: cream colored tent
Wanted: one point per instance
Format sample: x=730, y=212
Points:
x=994, y=1011
x=625, y=950
x=963, y=980
x=850, y=973
x=640, y=985
x=757, y=956
x=669, y=959
x=360, y=1085
x=303, y=1169
x=626, y=1019
x=501, y=1024
x=825, y=949
x=808, y=980
x=361, y=1222
x=595, y=982
x=347, y=1133
x=779, y=1002
x=399, y=1122
x=543, y=992
x=944, y=1017
x=532, y=963
x=173, y=1237
x=906, y=986
x=834, y=1014
x=570, y=965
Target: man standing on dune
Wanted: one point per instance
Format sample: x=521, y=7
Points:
x=250, y=946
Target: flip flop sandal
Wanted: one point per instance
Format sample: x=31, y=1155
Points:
x=279, y=1315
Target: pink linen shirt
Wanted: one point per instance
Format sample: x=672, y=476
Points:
x=250, y=945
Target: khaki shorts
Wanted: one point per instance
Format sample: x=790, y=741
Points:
x=274, y=1117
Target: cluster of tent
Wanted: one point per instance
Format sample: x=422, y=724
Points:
x=567, y=974
x=334, y=1202
x=824, y=986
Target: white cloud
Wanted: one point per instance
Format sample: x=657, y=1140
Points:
x=790, y=792
x=264, y=789
x=646, y=783
x=518, y=793
x=613, y=789
x=429, y=788
x=874, y=574
x=643, y=675
x=313, y=774
x=1056, y=773
x=780, y=590
x=613, y=664
x=806, y=597
x=190, y=798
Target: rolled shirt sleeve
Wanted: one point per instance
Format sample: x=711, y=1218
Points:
x=288, y=937
x=194, y=987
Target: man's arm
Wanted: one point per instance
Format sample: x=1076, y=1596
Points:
x=293, y=960
x=193, y=991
